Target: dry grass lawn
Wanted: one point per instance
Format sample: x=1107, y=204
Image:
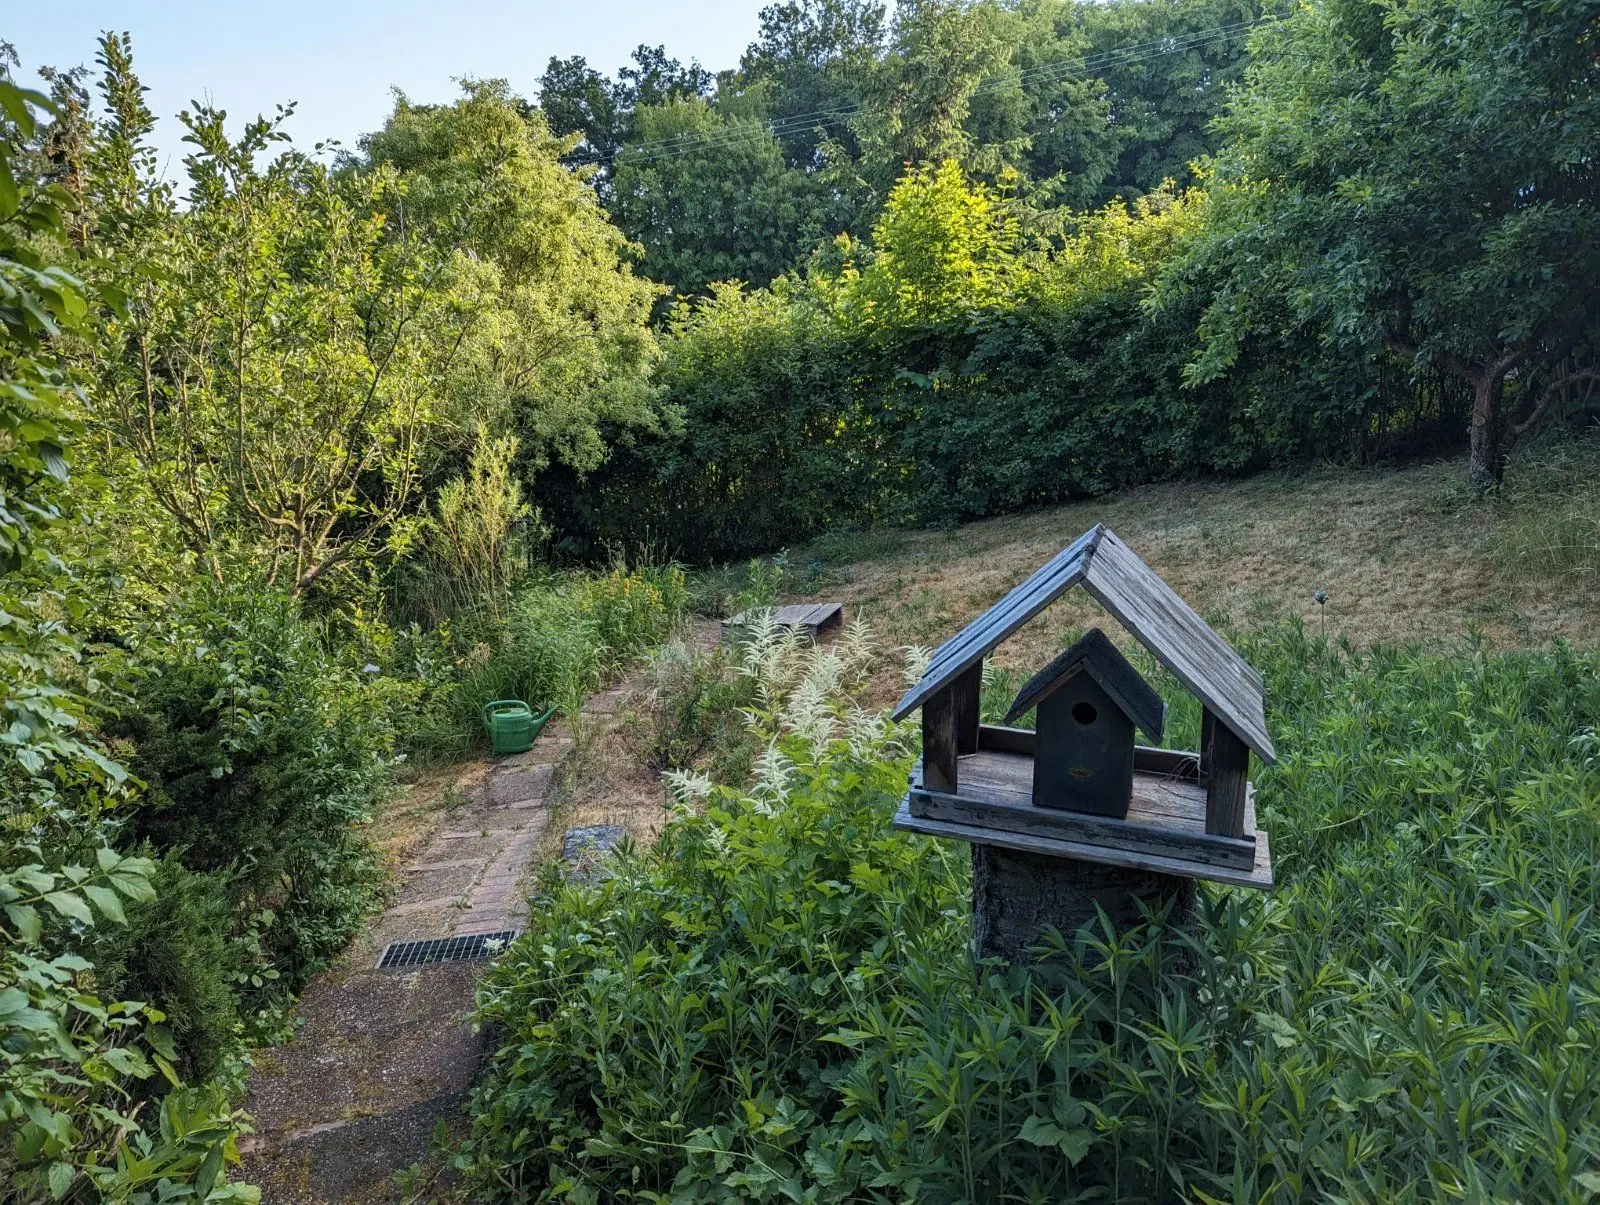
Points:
x=1401, y=554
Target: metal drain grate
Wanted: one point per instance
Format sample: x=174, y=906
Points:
x=444, y=949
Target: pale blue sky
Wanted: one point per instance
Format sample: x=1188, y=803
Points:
x=339, y=58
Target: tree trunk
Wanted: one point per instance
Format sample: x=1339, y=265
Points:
x=1486, y=461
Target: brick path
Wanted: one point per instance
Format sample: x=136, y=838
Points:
x=382, y=1057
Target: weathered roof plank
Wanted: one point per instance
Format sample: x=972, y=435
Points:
x=978, y=638
x=1169, y=627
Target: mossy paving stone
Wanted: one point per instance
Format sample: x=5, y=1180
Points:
x=354, y=1162
x=547, y=749
x=469, y=841
x=607, y=702
x=433, y=884
x=438, y=921
x=519, y=785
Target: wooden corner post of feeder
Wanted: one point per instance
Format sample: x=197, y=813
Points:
x=1075, y=813
x=950, y=727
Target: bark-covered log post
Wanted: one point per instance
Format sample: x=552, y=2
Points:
x=1016, y=895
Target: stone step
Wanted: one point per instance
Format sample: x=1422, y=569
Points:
x=353, y=1161
x=514, y=786
x=371, y=1043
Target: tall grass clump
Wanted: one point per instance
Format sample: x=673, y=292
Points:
x=558, y=642
x=1549, y=511
x=723, y=591
x=777, y=1001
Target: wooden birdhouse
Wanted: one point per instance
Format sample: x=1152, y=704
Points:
x=1078, y=787
x=1089, y=702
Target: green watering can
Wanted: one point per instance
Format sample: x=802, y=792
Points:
x=512, y=725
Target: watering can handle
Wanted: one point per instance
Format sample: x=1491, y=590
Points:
x=495, y=703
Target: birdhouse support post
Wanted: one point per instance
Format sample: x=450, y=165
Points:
x=1015, y=895
x=1225, y=768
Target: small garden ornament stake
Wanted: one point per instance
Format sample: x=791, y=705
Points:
x=1076, y=814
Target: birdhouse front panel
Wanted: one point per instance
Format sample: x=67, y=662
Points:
x=1083, y=759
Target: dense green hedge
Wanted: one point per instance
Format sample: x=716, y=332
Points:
x=965, y=367
x=262, y=755
x=775, y=1003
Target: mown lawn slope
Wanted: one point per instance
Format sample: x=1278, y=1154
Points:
x=1403, y=555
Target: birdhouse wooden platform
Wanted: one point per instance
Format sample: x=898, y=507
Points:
x=1078, y=787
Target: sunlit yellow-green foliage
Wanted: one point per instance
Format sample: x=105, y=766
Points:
x=279, y=356
x=949, y=246
x=1120, y=245
x=945, y=245
x=560, y=342
x=476, y=520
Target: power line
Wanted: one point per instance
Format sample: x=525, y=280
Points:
x=1047, y=72
x=1061, y=69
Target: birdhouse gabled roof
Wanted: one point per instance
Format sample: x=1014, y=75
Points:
x=1144, y=604
x=1096, y=656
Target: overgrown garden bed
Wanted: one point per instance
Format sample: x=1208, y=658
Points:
x=776, y=1003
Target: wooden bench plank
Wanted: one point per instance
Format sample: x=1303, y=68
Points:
x=815, y=618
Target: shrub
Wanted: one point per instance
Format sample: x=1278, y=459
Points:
x=690, y=707
x=723, y=591
x=77, y=1066
x=632, y=610
x=479, y=525
x=180, y=948
x=263, y=754
x=559, y=643
x=773, y=1004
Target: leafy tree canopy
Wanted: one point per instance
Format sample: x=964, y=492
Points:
x=721, y=204
x=559, y=347
x=577, y=99
x=1420, y=177
x=1067, y=102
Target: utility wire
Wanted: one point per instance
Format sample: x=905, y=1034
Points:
x=1060, y=70
x=1047, y=72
